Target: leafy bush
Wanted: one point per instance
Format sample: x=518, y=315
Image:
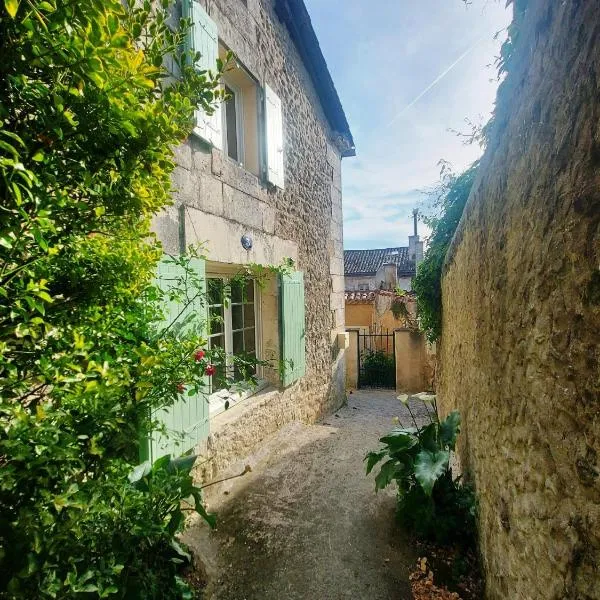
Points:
x=89, y=114
x=450, y=199
x=378, y=368
x=430, y=502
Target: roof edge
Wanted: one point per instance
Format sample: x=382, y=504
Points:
x=294, y=15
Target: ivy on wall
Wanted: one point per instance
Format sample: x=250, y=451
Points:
x=450, y=198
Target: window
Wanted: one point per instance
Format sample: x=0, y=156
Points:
x=249, y=127
x=232, y=128
x=363, y=287
x=232, y=320
x=240, y=117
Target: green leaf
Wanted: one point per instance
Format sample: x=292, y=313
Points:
x=429, y=467
x=373, y=458
x=183, y=463
x=449, y=430
x=139, y=472
x=180, y=551
x=161, y=463
x=386, y=474
x=208, y=517
x=428, y=436
x=399, y=439
x=12, y=6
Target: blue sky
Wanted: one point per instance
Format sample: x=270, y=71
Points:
x=382, y=56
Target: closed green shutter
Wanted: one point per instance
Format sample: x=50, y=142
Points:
x=203, y=37
x=187, y=420
x=292, y=327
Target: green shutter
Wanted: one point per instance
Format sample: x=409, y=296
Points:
x=203, y=37
x=187, y=420
x=292, y=327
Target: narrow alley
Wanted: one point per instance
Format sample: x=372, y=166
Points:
x=306, y=522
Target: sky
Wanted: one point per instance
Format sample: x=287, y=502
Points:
x=408, y=72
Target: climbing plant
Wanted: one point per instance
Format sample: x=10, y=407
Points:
x=431, y=502
x=449, y=199
x=93, y=97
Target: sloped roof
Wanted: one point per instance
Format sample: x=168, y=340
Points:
x=368, y=262
x=297, y=20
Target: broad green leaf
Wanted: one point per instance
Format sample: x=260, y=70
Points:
x=208, y=517
x=12, y=6
x=429, y=467
x=429, y=438
x=139, y=472
x=373, y=458
x=399, y=439
x=449, y=430
x=183, y=463
x=161, y=463
x=386, y=474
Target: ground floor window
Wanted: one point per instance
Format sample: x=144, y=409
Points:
x=232, y=326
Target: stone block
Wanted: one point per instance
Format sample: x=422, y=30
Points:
x=183, y=156
x=242, y=208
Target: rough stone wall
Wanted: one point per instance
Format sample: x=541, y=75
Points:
x=216, y=201
x=521, y=329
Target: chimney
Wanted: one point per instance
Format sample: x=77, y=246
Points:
x=415, y=246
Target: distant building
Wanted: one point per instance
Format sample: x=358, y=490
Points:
x=383, y=268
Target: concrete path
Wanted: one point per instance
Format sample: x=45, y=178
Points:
x=306, y=524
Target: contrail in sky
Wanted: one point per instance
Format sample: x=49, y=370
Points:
x=437, y=79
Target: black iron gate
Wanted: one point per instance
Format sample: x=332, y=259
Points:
x=377, y=360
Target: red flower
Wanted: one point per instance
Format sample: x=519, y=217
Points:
x=181, y=387
x=199, y=355
x=210, y=370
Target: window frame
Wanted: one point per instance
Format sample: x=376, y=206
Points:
x=217, y=398
x=239, y=123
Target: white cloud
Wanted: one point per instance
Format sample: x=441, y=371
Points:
x=380, y=61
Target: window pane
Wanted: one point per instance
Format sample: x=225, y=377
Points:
x=238, y=342
x=215, y=319
x=231, y=124
x=248, y=315
x=250, y=340
x=249, y=295
x=215, y=291
x=236, y=291
x=236, y=317
x=217, y=341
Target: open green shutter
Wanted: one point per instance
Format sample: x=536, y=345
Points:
x=203, y=37
x=292, y=327
x=187, y=420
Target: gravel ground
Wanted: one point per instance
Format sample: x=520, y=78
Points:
x=306, y=522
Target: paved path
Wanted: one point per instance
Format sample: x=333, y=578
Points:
x=306, y=523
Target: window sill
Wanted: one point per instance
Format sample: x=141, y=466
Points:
x=224, y=400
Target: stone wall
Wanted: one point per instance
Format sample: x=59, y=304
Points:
x=217, y=201
x=520, y=345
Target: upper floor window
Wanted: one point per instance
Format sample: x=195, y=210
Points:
x=250, y=118
x=240, y=118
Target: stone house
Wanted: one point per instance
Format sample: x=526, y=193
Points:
x=383, y=268
x=259, y=182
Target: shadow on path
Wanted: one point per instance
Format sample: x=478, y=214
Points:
x=306, y=523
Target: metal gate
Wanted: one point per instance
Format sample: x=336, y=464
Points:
x=377, y=360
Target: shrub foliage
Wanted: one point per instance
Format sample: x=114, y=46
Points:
x=89, y=114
